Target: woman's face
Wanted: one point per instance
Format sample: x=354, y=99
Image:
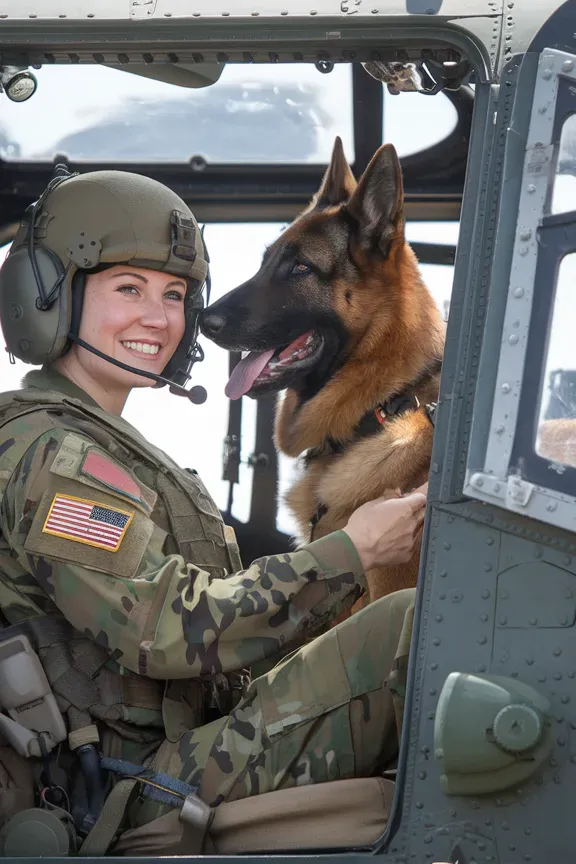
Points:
x=134, y=315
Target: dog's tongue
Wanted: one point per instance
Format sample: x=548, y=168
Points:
x=245, y=373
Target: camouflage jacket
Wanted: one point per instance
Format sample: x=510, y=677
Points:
x=100, y=526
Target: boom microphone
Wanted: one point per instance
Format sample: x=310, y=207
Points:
x=197, y=394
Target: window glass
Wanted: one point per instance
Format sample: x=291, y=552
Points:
x=564, y=194
x=556, y=436
x=253, y=113
x=437, y=117
x=438, y=277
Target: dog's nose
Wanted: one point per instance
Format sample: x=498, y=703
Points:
x=212, y=323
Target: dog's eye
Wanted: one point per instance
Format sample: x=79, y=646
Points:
x=300, y=269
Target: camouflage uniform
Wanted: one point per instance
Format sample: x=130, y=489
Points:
x=176, y=619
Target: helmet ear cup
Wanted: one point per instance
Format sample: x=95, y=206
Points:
x=34, y=335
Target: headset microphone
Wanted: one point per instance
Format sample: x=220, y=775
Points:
x=197, y=395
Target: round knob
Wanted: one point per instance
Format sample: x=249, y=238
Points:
x=517, y=728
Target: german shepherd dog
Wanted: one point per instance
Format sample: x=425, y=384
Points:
x=339, y=319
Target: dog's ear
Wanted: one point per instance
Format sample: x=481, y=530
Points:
x=377, y=203
x=338, y=183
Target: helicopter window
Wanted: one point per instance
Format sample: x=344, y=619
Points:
x=257, y=114
x=556, y=434
x=437, y=117
x=564, y=194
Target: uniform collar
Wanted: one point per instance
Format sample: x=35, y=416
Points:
x=48, y=378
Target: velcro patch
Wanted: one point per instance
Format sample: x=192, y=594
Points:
x=87, y=522
x=100, y=467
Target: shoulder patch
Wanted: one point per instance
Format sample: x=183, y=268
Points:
x=86, y=521
x=101, y=467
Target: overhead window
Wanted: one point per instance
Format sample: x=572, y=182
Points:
x=437, y=118
x=270, y=113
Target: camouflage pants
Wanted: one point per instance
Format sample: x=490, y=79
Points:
x=329, y=711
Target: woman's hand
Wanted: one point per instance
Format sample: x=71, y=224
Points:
x=385, y=531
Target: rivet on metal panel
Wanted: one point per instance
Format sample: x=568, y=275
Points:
x=490, y=540
x=525, y=234
x=447, y=546
x=518, y=292
x=531, y=188
x=479, y=482
x=422, y=775
x=567, y=66
x=482, y=640
x=503, y=620
x=419, y=805
x=533, y=622
x=255, y=14
x=443, y=574
x=431, y=715
x=439, y=618
x=567, y=560
x=484, y=618
x=313, y=12
x=547, y=74
x=551, y=507
x=434, y=666
x=557, y=676
x=543, y=109
x=450, y=519
x=487, y=568
x=499, y=431
x=436, y=641
x=442, y=596
x=561, y=742
x=505, y=388
x=513, y=339
x=284, y=12
x=456, y=596
x=565, y=699
x=225, y=14
x=485, y=594
x=557, y=652
x=529, y=661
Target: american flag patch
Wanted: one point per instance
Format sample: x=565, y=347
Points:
x=87, y=522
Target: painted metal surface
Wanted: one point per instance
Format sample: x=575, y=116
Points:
x=502, y=27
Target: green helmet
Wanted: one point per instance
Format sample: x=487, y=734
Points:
x=86, y=221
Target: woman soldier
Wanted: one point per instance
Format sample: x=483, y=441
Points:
x=152, y=621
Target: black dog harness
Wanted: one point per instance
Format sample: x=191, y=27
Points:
x=371, y=423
